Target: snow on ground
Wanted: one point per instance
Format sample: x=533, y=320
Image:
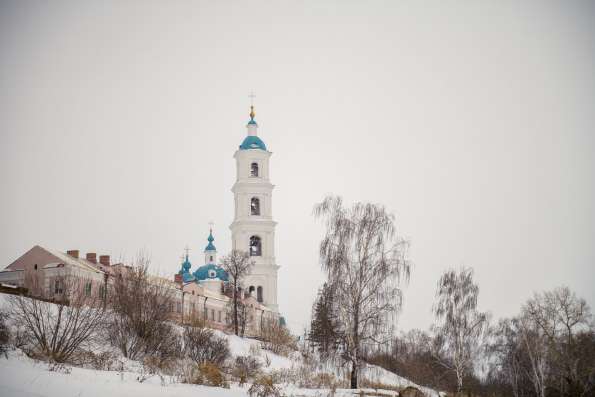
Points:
x=22, y=376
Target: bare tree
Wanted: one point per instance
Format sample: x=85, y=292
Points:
x=364, y=262
x=237, y=265
x=461, y=328
x=58, y=330
x=556, y=319
x=140, y=312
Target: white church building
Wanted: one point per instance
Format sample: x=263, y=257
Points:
x=252, y=230
x=202, y=291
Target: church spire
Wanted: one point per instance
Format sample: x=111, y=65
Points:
x=252, y=122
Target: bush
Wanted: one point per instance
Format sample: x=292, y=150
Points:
x=277, y=338
x=324, y=381
x=58, y=331
x=365, y=383
x=203, y=346
x=104, y=361
x=4, y=333
x=246, y=367
x=263, y=386
x=209, y=374
x=410, y=391
x=139, y=324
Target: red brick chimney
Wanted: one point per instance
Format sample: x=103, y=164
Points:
x=104, y=260
x=73, y=253
x=92, y=257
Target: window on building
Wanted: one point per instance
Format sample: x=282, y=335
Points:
x=58, y=286
x=251, y=289
x=255, y=206
x=35, y=267
x=254, y=169
x=102, y=291
x=88, y=288
x=213, y=314
x=179, y=307
x=211, y=258
x=193, y=307
x=259, y=294
x=255, y=246
x=219, y=315
x=206, y=314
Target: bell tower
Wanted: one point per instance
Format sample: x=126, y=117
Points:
x=253, y=228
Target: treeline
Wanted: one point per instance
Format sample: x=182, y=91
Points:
x=547, y=349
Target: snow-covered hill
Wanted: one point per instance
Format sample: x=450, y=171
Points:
x=22, y=376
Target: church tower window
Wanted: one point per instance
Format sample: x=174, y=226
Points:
x=255, y=206
x=254, y=169
x=259, y=294
x=255, y=246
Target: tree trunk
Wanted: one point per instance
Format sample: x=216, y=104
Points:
x=353, y=375
x=235, y=311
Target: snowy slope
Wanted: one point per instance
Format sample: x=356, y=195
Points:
x=22, y=376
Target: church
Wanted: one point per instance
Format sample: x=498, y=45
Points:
x=252, y=230
x=202, y=291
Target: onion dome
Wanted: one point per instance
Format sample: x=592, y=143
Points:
x=210, y=272
x=210, y=239
x=185, y=271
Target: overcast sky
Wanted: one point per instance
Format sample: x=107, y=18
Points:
x=473, y=122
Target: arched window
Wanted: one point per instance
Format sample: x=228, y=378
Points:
x=259, y=294
x=251, y=289
x=255, y=246
x=255, y=206
x=254, y=169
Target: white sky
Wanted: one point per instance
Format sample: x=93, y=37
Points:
x=472, y=121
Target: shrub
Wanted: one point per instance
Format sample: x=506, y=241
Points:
x=58, y=331
x=202, y=346
x=4, y=334
x=246, y=367
x=324, y=381
x=410, y=391
x=381, y=386
x=209, y=374
x=104, y=361
x=263, y=386
x=139, y=305
x=277, y=338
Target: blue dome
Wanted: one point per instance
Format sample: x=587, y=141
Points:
x=253, y=142
x=185, y=271
x=210, y=272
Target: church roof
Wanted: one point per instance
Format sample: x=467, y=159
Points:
x=210, y=272
x=253, y=142
x=210, y=239
x=185, y=271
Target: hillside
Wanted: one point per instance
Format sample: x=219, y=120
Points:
x=23, y=376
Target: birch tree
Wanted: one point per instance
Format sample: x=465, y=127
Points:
x=365, y=263
x=460, y=327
